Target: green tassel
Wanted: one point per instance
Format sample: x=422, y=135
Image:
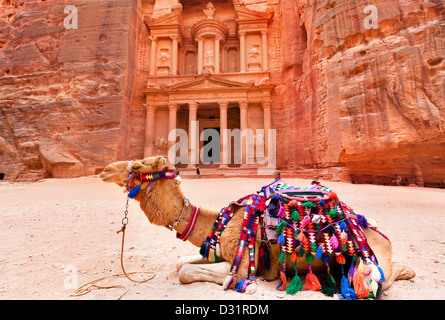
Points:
x=330, y=288
x=309, y=258
x=202, y=250
x=216, y=257
x=333, y=213
x=295, y=215
x=295, y=285
x=281, y=226
x=282, y=256
x=308, y=204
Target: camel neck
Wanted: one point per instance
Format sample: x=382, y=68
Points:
x=204, y=222
x=164, y=204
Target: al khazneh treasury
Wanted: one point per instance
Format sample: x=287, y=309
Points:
x=208, y=63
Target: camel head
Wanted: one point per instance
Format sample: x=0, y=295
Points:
x=119, y=171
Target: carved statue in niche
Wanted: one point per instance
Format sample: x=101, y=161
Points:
x=208, y=57
x=164, y=57
x=254, y=53
x=209, y=11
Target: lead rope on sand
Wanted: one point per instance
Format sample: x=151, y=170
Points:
x=86, y=288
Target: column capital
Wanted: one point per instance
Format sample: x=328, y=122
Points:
x=242, y=33
x=150, y=106
x=266, y=104
x=174, y=37
x=173, y=106
x=243, y=104
x=153, y=38
x=223, y=105
x=263, y=32
x=193, y=105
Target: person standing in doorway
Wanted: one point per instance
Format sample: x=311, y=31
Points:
x=197, y=172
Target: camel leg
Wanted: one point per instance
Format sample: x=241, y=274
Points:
x=195, y=259
x=210, y=272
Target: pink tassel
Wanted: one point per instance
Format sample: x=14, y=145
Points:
x=334, y=242
x=305, y=221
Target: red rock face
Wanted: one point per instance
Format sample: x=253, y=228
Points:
x=61, y=88
x=369, y=100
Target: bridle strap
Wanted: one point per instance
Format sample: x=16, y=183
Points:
x=190, y=226
x=154, y=176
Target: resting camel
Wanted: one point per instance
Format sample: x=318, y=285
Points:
x=164, y=205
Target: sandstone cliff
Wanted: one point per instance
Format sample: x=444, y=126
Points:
x=61, y=90
x=369, y=100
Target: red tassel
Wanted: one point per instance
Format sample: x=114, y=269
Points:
x=312, y=282
x=341, y=259
x=283, y=282
x=359, y=285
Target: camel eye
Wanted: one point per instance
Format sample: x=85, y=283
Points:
x=106, y=169
x=136, y=167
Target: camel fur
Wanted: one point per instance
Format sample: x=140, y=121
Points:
x=163, y=206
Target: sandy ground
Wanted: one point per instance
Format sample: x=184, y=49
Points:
x=59, y=234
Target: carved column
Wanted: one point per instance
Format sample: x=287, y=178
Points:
x=172, y=110
x=200, y=54
x=174, y=66
x=149, y=128
x=267, y=125
x=153, y=55
x=242, y=42
x=223, y=106
x=217, y=59
x=264, y=46
x=193, y=147
x=243, y=126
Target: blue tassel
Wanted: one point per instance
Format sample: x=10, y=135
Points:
x=280, y=240
x=241, y=285
x=319, y=252
x=362, y=221
x=276, y=197
x=342, y=226
x=347, y=292
x=326, y=259
x=134, y=192
x=321, y=203
x=382, y=274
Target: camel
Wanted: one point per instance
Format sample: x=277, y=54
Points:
x=164, y=205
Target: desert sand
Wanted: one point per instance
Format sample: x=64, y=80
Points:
x=59, y=234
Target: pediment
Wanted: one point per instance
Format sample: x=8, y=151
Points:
x=244, y=14
x=209, y=82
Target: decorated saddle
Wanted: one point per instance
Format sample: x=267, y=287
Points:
x=311, y=223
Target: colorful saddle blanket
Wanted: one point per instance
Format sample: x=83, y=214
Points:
x=311, y=223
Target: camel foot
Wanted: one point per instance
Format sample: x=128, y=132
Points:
x=190, y=260
x=210, y=272
x=404, y=272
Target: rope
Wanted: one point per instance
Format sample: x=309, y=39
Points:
x=86, y=288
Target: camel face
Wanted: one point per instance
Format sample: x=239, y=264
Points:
x=149, y=164
x=119, y=171
x=116, y=172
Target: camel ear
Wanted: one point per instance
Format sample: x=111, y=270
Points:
x=158, y=163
